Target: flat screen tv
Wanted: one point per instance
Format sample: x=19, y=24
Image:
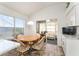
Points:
x=70, y=30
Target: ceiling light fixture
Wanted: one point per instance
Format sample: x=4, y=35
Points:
x=48, y=20
x=30, y=22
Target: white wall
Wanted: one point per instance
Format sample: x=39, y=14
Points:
x=51, y=12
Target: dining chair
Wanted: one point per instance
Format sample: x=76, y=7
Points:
x=39, y=46
x=23, y=47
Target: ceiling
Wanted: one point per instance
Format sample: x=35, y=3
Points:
x=28, y=8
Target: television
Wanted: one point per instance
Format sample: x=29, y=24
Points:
x=70, y=30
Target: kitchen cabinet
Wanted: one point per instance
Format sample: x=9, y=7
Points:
x=63, y=43
x=70, y=18
x=72, y=15
x=77, y=15
x=72, y=47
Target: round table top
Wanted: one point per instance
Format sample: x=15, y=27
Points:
x=29, y=38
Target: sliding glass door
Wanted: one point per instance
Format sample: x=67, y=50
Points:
x=6, y=26
x=51, y=28
x=19, y=26
x=46, y=26
x=10, y=26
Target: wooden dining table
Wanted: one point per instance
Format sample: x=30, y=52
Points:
x=30, y=39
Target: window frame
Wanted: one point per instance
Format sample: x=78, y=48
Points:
x=14, y=17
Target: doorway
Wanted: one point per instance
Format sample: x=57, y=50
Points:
x=51, y=27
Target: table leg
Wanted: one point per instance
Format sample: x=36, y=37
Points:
x=31, y=50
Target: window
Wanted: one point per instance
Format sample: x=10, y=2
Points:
x=9, y=26
x=19, y=26
x=51, y=26
x=6, y=26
